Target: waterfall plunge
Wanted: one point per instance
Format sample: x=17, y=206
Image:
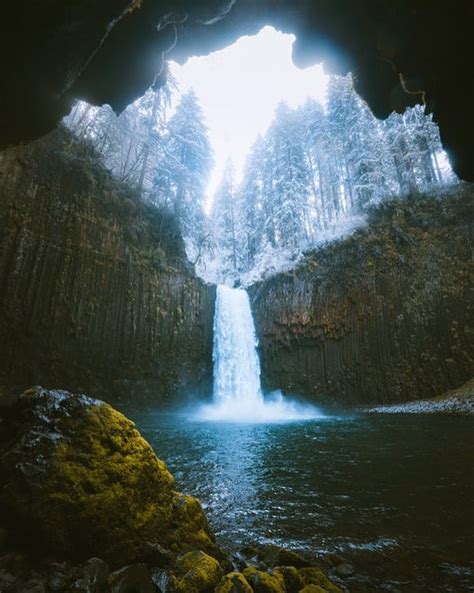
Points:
x=237, y=391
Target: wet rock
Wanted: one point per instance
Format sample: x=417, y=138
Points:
x=81, y=472
x=34, y=585
x=93, y=579
x=239, y=561
x=248, y=555
x=313, y=589
x=197, y=572
x=333, y=560
x=234, y=582
x=344, y=570
x=164, y=580
x=7, y=582
x=135, y=577
x=315, y=576
x=291, y=577
x=59, y=576
x=262, y=582
x=158, y=556
x=272, y=555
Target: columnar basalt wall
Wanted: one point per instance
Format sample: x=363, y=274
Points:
x=95, y=290
x=383, y=316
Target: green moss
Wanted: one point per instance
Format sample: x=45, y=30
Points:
x=92, y=485
x=313, y=589
x=262, y=582
x=107, y=478
x=315, y=576
x=234, y=582
x=291, y=577
x=190, y=527
x=197, y=572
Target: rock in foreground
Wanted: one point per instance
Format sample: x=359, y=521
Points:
x=79, y=479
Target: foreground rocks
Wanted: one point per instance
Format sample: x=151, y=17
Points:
x=82, y=475
x=87, y=507
x=195, y=572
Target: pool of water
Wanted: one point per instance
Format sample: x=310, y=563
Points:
x=392, y=494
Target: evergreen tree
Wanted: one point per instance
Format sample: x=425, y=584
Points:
x=320, y=161
x=184, y=172
x=251, y=219
x=290, y=179
x=314, y=169
x=131, y=144
x=359, y=144
x=224, y=220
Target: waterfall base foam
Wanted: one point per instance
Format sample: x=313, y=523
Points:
x=274, y=408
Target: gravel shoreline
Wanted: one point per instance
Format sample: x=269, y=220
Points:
x=457, y=401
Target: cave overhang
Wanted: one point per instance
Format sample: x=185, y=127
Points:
x=400, y=52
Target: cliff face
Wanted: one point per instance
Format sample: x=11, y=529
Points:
x=95, y=290
x=383, y=316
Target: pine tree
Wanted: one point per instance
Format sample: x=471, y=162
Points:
x=224, y=220
x=251, y=219
x=131, y=144
x=319, y=155
x=186, y=165
x=290, y=179
x=359, y=141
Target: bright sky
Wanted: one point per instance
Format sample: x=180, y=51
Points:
x=239, y=88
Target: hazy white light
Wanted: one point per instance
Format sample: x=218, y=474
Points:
x=239, y=88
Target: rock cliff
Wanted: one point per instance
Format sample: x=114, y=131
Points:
x=96, y=293
x=383, y=316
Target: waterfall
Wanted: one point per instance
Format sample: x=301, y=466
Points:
x=237, y=391
x=235, y=357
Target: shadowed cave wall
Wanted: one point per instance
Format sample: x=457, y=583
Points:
x=96, y=292
x=400, y=52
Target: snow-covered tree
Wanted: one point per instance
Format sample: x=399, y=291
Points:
x=224, y=220
x=131, y=144
x=182, y=177
x=290, y=178
x=312, y=175
x=251, y=217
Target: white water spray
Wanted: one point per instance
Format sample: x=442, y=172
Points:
x=237, y=391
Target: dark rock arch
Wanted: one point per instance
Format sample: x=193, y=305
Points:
x=400, y=51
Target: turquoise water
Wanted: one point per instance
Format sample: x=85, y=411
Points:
x=393, y=494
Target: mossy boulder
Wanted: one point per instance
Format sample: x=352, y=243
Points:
x=272, y=555
x=291, y=577
x=79, y=479
x=234, y=582
x=315, y=576
x=263, y=582
x=196, y=572
x=131, y=579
